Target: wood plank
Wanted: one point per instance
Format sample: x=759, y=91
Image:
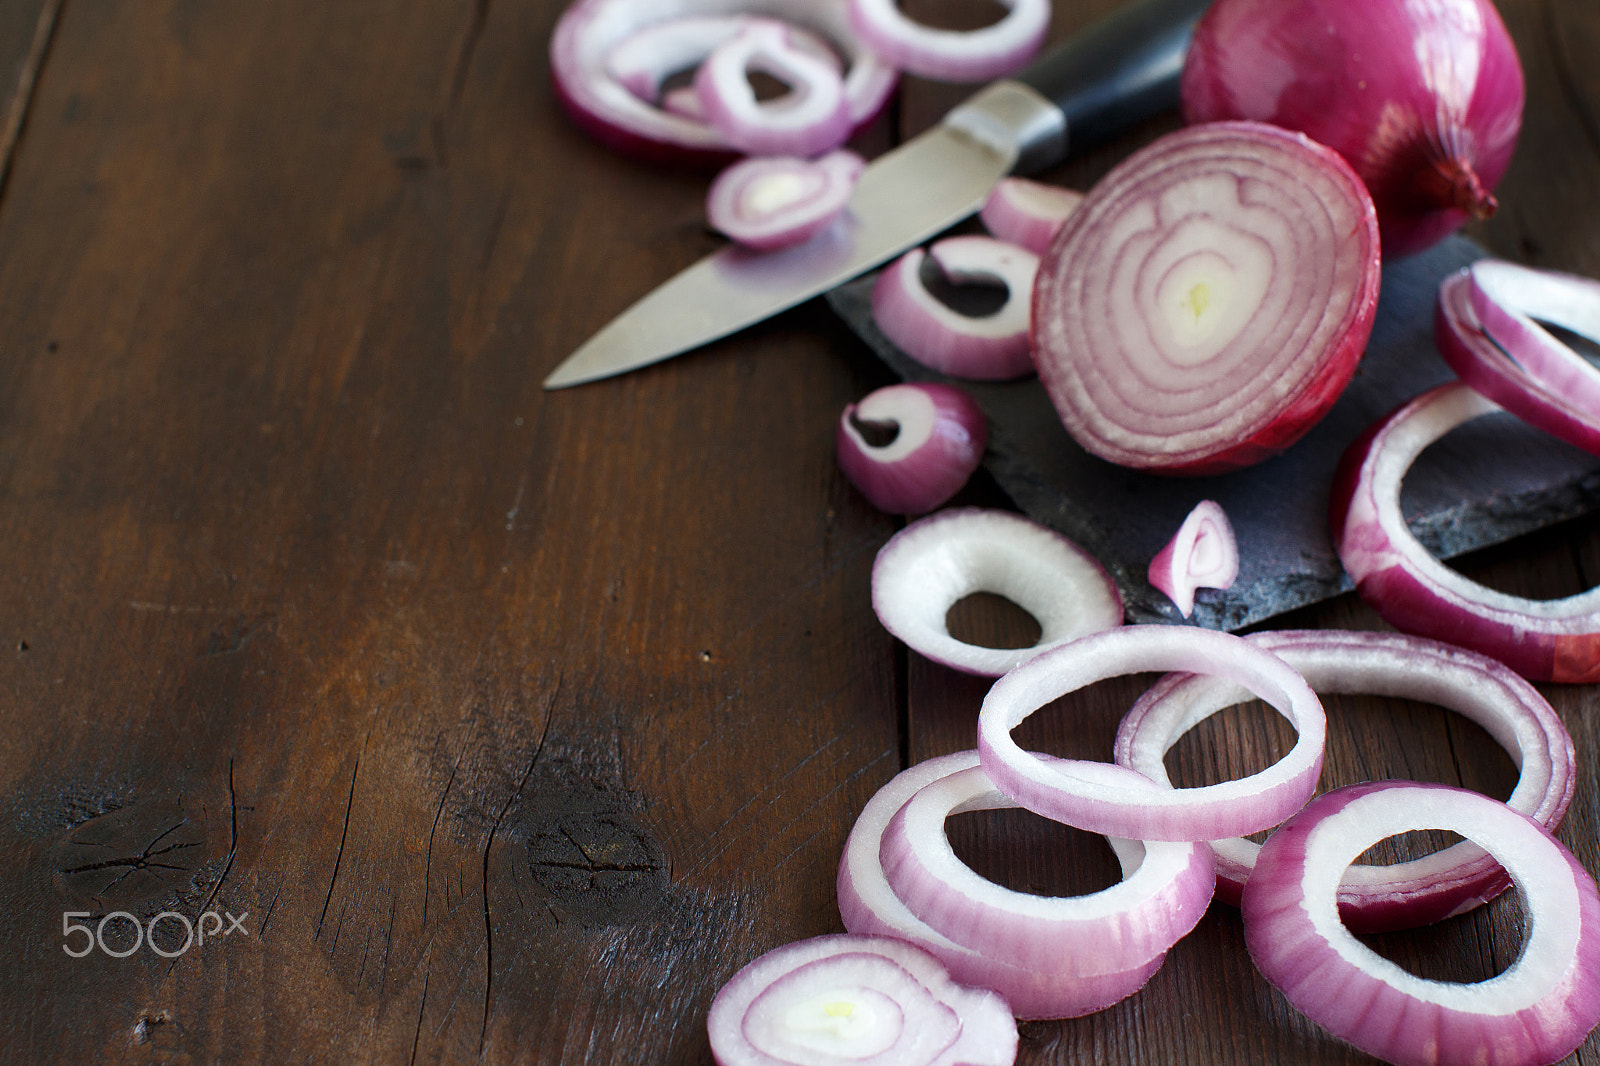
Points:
x=26, y=29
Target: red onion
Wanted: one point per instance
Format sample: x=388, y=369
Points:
x=1202, y=554
x=1543, y=640
x=939, y=433
x=642, y=61
x=1028, y=213
x=952, y=55
x=589, y=30
x=1485, y=330
x=1423, y=97
x=993, y=347
x=1402, y=895
x=1076, y=792
x=1536, y=1011
x=931, y=564
x=771, y=202
x=1208, y=300
x=812, y=117
x=853, y=1000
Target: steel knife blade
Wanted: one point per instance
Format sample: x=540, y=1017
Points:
x=1117, y=72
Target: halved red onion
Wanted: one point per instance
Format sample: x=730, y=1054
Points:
x=812, y=117
x=845, y=999
x=1028, y=213
x=1401, y=895
x=939, y=433
x=992, y=347
x=774, y=201
x=643, y=61
x=931, y=564
x=1536, y=1011
x=1202, y=554
x=1485, y=330
x=1078, y=793
x=869, y=906
x=589, y=30
x=1543, y=640
x=953, y=55
x=1209, y=299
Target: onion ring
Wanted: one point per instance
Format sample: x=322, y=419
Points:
x=939, y=436
x=951, y=55
x=1028, y=213
x=769, y=202
x=1202, y=554
x=642, y=61
x=812, y=117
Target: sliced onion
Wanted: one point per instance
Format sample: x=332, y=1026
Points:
x=642, y=62
x=1486, y=331
x=856, y=999
x=939, y=433
x=1028, y=213
x=1401, y=895
x=812, y=117
x=1208, y=300
x=1202, y=554
x=1077, y=793
x=870, y=907
x=775, y=201
x=1536, y=1011
x=931, y=564
x=1543, y=640
x=993, y=347
x=953, y=55
x=589, y=30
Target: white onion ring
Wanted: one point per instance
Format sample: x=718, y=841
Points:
x=1543, y=640
x=1075, y=791
x=952, y=55
x=940, y=434
x=1028, y=213
x=642, y=61
x=931, y=564
x=767, y=202
x=993, y=347
x=1401, y=895
x=1202, y=554
x=1537, y=1011
x=812, y=117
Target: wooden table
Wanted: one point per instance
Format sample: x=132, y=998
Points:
x=489, y=723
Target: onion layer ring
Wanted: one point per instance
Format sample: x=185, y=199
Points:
x=812, y=117
x=950, y=55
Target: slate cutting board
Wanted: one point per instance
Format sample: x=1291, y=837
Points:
x=1490, y=480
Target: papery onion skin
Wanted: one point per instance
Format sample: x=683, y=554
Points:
x=1137, y=383
x=1423, y=97
x=941, y=434
x=1028, y=213
x=734, y=207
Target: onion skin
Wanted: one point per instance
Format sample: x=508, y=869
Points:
x=1424, y=98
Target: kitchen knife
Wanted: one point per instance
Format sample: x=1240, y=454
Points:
x=1119, y=71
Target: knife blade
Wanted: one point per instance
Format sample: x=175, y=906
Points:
x=1119, y=71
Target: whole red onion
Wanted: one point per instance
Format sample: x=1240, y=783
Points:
x=1422, y=97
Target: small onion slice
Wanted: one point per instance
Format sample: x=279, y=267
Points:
x=768, y=202
x=1028, y=213
x=993, y=347
x=1543, y=640
x=931, y=564
x=1401, y=895
x=643, y=61
x=1202, y=554
x=1209, y=300
x=953, y=55
x=1486, y=331
x=846, y=999
x=1537, y=1011
x=1076, y=792
x=939, y=437
x=812, y=117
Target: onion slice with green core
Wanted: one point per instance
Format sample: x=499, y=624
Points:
x=937, y=436
x=1028, y=213
x=1209, y=300
x=991, y=347
x=1537, y=1011
x=1202, y=554
x=1401, y=895
x=812, y=117
x=851, y=999
x=1543, y=640
x=953, y=55
x=1077, y=792
x=775, y=201
x=931, y=564
x=1486, y=330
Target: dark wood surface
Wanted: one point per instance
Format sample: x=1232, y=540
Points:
x=511, y=723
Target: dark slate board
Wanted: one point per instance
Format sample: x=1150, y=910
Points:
x=1486, y=482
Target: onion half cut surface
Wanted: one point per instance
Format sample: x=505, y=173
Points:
x=1076, y=791
x=931, y=564
x=776, y=201
x=1208, y=300
x=953, y=55
x=1543, y=640
x=939, y=433
x=1401, y=895
x=1536, y=1011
